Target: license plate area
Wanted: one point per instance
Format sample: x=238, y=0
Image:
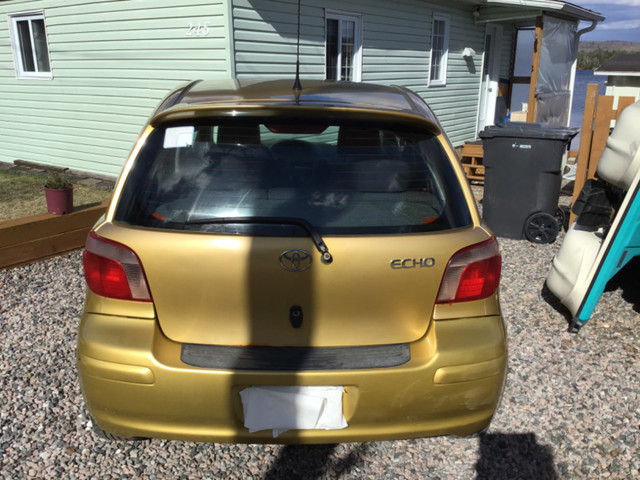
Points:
x=282, y=408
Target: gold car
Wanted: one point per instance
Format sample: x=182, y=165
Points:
x=292, y=266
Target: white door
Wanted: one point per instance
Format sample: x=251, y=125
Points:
x=490, y=74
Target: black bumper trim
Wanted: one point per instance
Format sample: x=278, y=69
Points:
x=295, y=358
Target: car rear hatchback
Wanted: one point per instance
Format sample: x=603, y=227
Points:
x=293, y=267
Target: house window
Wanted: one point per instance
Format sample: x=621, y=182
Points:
x=343, y=47
x=439, y=50
x=30, y=45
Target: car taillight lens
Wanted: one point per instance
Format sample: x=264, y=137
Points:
x=473, y=273
x=113, y=270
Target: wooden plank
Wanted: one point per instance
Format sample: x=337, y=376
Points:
x=605, y=113
x=44, y=225
x=585, y=143
x=601, y=127
x=41, y=248
x=469, y=150
x=535, y=71
x=42, y=166
x=624, y=102
x=29, y=239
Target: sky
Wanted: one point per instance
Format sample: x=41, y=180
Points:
x=622, y=19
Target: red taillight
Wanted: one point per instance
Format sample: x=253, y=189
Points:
x=472, y=274
x=113, y=270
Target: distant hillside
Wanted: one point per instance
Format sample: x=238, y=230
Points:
x=619, y=46
x=591, y=55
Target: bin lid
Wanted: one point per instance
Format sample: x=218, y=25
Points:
x=529, y=130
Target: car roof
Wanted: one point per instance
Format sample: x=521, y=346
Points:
x=280, y=93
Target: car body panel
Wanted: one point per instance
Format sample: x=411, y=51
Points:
x=233, y=290
x=452, y=385
x=229, y=289
x=352, y=96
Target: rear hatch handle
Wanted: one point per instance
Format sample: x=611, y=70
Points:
x=300, y=222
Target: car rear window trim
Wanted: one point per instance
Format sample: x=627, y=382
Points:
x=295, y=358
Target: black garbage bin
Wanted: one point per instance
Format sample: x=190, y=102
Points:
x=522, y=180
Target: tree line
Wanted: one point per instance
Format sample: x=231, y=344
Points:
x=592, y=59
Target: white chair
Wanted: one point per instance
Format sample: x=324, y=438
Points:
x=577, y=267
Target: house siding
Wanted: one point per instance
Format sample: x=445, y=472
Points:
x=623, y=86
x=456, y=105
x=112, y=62
x=396, y=42
x=508, y=51
x=265, y=33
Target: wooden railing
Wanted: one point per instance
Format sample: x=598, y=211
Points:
x=596, y=126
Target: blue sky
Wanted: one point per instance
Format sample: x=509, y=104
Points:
x=622, y=23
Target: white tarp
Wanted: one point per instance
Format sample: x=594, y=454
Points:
x=292, y=408
x=557, y=56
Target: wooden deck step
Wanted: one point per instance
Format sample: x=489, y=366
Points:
x=471, y=159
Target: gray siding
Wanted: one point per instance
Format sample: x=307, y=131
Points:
x=396, y=40
x=456, y=105
x=508, y=46
x=265, y=38
x=112, y=62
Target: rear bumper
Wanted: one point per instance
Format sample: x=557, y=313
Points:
x=135, y=385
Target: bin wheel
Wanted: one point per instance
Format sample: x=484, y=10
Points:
x=541, y=227
x=561, y=218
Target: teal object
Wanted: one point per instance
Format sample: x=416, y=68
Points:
x=590, y=257
x=623, y=247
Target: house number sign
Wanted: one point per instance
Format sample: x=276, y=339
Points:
x=197, y=29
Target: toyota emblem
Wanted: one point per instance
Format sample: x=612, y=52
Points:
x=295, y=260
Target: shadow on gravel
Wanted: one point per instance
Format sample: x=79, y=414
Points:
x=628, y=280
x=555, y=303
x=509, y=456
x=312, y=461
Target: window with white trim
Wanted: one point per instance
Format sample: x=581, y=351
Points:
x=343, y=47
x=29, y=38
x=439, y=50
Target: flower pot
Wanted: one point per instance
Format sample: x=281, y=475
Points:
x=59, y=201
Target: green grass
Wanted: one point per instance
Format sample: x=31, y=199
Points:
x=23, y=195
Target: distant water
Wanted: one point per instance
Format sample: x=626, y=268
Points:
x=583, y=78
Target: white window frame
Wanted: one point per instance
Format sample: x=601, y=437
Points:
x=357, y=48
x=21, y=71
x=441, y=79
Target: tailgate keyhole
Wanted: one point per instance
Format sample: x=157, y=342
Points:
x=295, y=316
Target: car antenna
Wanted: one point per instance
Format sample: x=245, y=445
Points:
x=297, y=86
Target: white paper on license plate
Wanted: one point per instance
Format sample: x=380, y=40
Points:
x=292, y=408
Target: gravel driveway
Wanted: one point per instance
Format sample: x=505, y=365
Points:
x=570, y=409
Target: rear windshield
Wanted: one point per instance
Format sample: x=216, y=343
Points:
x=342, y=177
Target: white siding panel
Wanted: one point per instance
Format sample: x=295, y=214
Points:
x=112, y=63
